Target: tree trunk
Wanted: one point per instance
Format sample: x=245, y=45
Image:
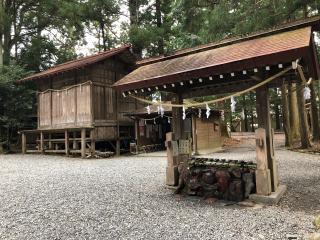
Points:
x=159, y=25
x=133, y=12
x=304, y=127
x=286, y=118
x=314, y=113
x=103, y=35
x=294, y=116
x=7, y=33
x=1, y=37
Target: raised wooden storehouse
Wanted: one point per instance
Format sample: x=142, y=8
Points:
x=151, y=129
x=77, y=103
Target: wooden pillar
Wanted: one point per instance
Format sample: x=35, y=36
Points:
x=137, y=134
x=50, y=142
x=172, y=141
x=263, y=175
x=194, y=134
x=83, y=143
x=66, y=142
x=304, y=126
x=172, y=174
x=177, y=121
x=24, y=143
x=93, y=143
x=118, y=147
x=74, y=141
x=41, y=142
x=264, y=121
x=118, y=125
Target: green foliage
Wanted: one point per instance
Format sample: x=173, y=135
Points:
x=17, y=102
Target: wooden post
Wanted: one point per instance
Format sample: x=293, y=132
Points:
x=172, y=174
x=93, y=143
x=263, y=110
x=66, y=142
x=83, y=143
x=177, y=121
x=74, y=142
x=118, y=125
x=194, y=134
x=304, y=126
x=118, y=147
x=50, y=142
x=137, y=133
x=263, y=176
x=24, y=143
x=41, y=142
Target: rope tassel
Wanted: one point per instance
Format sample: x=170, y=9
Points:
x=148, y=109
x=183, y=113
x=208, y=110
x=307, y=93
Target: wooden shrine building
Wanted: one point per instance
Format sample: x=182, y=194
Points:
x=77, y=107
x=151, y=129
x=255, y=62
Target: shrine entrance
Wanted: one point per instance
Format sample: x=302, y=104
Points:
x=226, y=69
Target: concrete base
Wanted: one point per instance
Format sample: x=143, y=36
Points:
x=271, y=199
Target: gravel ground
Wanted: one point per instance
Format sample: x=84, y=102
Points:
x=50, y=197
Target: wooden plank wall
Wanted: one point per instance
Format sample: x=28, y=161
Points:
x=104, y=75
x=72, y=107
x=44, y=109
x=208, y=134
x=84, y=113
